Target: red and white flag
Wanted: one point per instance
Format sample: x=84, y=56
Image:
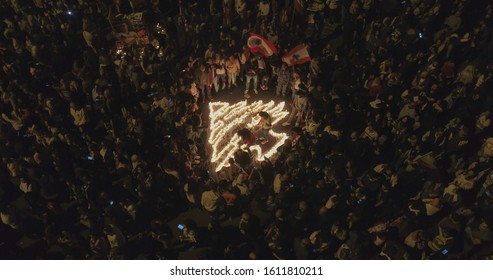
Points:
x=257, y=43
x=298, y=55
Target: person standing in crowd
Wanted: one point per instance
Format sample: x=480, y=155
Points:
x=233, y=70
x=204, y=81
x=299, y=107
x=244, y=57
x=251, y=75
x=263, y=126
x=220, y=72
x=283, y=79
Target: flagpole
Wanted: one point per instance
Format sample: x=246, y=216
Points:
x=292, y=15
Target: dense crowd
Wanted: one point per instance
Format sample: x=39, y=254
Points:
x=390, y=138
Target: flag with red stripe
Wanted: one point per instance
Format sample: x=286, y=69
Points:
x=257, y=43
x=298, y=55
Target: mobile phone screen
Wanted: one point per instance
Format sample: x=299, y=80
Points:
x=180, y=226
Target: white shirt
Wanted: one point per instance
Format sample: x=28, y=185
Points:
x=209, y=200
x=79, y=116
x=264, y=8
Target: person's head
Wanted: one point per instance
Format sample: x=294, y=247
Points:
x=382, y=139
x=245, y=217
x=305, y=242
x=302, y=206
x=484, y=120
x=349, y=165
x=284, y=177
x=13, y=167
x=338, y=108
x=264, y=115
x=279, y=214
x=353, y=136
x=243, y=133
x=413, y=140
x=296, y=131
x=463, y=131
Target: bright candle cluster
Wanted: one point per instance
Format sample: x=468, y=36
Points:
x=227, y=119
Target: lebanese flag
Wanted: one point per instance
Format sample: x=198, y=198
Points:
x=298, y=55
x=257, y=43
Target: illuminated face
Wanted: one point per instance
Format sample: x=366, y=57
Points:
x=226, y=119
x=483, y=121
x=488, y=147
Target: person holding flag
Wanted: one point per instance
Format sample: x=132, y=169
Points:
x=297, y=55
x=258, y=44
x=283, y=79
x=244, y=57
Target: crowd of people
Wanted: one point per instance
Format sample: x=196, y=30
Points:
x=390, y=148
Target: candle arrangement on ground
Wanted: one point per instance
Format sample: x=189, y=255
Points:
x=226, y=119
